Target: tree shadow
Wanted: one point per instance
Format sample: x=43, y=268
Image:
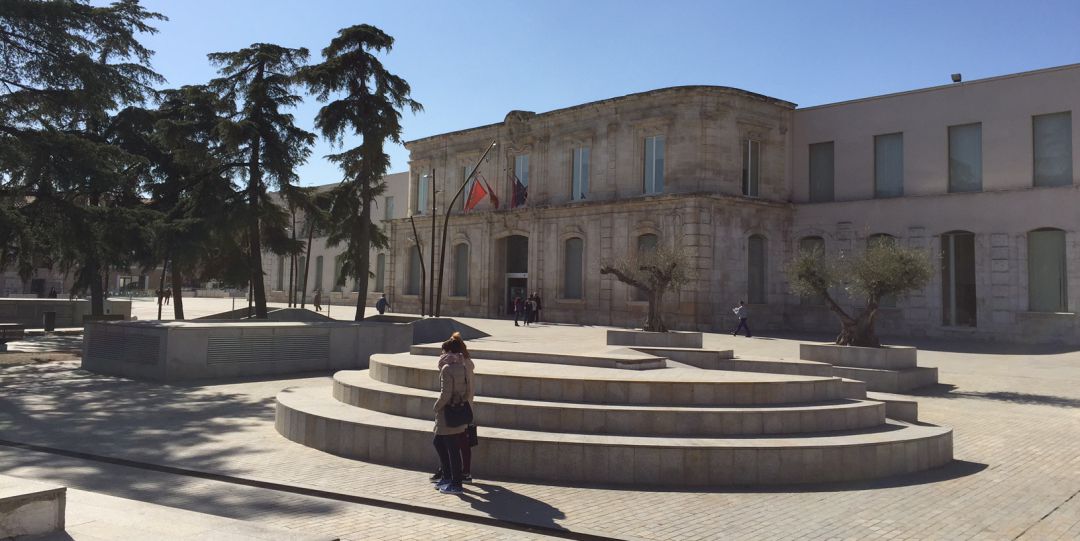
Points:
x=950, y=392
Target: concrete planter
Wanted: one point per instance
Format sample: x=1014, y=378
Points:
x=890, y=369
x=883, y=358
x=654, y=339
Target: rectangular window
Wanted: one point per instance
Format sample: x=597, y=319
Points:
x=301, y=273
x=821, y=172
x=339, y=261
x=965, y=158
x=423, y=190
x=1047, y=272
x=521, y=168
x=465, y=178
x=654, y=165
x=751, y=168
x=889, y=165
x=1052, y=140
x=380, y=273
x=318, y=273
x=412, y=282
x=279, y=284
x=388, y=207
x=579, y=184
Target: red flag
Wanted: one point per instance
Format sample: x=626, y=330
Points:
x=476, y=195
x=491, y=193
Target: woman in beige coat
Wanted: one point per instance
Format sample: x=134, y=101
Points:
x=456, y=388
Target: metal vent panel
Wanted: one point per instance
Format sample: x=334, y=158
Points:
x=128, y=348
x=264, y=349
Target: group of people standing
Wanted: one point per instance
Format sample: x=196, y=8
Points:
x=527, y=310
x=453, y=437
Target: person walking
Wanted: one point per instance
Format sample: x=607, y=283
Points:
x=168, y=294
x=518, y=307
x=317, y=301
x=382, y=305
x=456, y=387
x=743, y=314
x=52, y=293
x=539, y=307
x=530, y=310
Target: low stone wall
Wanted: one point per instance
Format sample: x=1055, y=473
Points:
x=171, y=351
x=883, y=358
x=69, y=313
x=654, y=339
x=30, y=508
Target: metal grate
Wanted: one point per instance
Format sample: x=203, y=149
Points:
x=128, y=348
x=262, y=349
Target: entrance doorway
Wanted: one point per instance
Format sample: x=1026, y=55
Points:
x=517, y=270
x=958, y=278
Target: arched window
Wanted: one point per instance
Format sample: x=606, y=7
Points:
x=888, y=301
x=380, y=273
x=757, y=262
x=461, y=270
x=318, y=273
x=1047, y=279
x=412, y=282
x=573, y=260
x=339, y=282
x=809, y=245
x=646, y=244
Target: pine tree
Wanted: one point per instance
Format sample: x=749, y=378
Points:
x=368, y=103
x=70, y=196
x=260, y=80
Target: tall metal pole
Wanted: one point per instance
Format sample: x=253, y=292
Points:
x=434, y=194
x=446, y=223
x=420, y=258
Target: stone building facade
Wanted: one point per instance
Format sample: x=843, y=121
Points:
x=980, y=174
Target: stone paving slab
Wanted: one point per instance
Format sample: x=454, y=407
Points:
x=1015, y=413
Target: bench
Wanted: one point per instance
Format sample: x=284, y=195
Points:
x=10, y=332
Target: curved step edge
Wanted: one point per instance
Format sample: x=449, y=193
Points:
x=311, y=417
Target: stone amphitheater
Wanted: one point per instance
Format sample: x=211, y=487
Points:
x=634, y=412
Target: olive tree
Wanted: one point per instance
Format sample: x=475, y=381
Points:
x=885, y=269
x=654, y=273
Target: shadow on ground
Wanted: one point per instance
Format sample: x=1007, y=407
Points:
x=59, y=405
x=502, y=503
x=1012, y=397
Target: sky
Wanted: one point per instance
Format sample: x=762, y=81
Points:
x=471, y=62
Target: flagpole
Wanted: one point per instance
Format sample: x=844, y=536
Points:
x=446, y=224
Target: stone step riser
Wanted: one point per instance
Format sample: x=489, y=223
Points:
x=641, y=363
x=694, y=357
x=578, y=462
x=890, y=381
x=620, y=392
x=551, y=417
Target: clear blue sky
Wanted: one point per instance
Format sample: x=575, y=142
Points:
x=470, y=62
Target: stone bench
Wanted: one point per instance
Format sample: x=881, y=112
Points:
x=30, y=508
x=625, y=361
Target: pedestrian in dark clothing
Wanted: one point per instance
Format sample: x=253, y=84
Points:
x=539, y=307
x=530, y=310
x=382, y=305
x=743, y=314
x=168, y=295
x=52, y=293
x=318, y=301
x=518, y=307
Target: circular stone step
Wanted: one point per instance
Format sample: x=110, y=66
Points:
x=310, y=416
x=675, y=387
x=357, y=388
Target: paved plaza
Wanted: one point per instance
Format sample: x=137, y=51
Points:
x=1015, y=412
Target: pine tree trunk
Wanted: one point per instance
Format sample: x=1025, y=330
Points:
x=178, y=291
x=258, y=289
x=363, y=245
x=97, y=292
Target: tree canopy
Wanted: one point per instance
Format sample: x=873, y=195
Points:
x=884, y=269
x=654, y=273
